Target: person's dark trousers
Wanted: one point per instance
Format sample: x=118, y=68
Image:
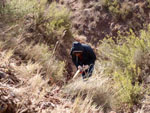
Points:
x=88, y=73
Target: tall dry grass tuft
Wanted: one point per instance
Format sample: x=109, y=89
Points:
x=55, y=70
x=32, y=93
x=6, y=55
x=27, y=70
x=96, y=91
x=85, y=105
x=1, y=45
x=39, y=53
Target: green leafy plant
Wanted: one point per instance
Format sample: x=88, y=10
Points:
x=53, y=20
x=48, y=19
x=19, y=8
x=126, y=62
x=148, y=3
x=118, y=9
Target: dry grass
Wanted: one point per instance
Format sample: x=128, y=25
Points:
x=36, y=83
x=1, y=45
x=39, y=52
x=96, y=90
x=27, y=70
x=55, y=69
x=6, y=55
x=85, y=105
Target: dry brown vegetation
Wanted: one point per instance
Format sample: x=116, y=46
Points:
x=35, y=66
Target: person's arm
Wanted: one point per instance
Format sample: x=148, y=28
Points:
x=91, y=55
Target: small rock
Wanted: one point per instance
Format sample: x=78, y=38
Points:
x=2, y=75
x=147, y=79
x=3, y=107
x=98, y=8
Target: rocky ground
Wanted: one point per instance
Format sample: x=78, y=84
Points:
x=92, y=19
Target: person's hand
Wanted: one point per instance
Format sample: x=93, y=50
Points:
x=86, y=67
x=79, y=67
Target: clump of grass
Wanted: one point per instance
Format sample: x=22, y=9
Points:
x=119, y=10
x=97, y=88
x=19, y=8
x=43, y=59
x=39, y=53
x=6, y=55
x=55, y=70
x=1, y=45
x=28, y=70
x=126, y=62
x=1, y=7
x=148, y=3
x=84, y=105
x=49, y=21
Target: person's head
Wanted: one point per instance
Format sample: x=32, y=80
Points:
x=77, y=48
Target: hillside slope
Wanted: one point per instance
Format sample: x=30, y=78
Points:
x=35, y=63
x=98, y=18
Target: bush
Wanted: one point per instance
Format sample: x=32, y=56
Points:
x=38, y=24
x=54, y=20
x=47, y=23
x=148, y=1
x=42, y=56
x=49, y=20
x=118, y=9
x=127, y=62
x=19, y=8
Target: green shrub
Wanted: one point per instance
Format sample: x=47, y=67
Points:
x=52, y=18
x=19, y=8
x=39, y=21
x=118, y=9
x=55, y=19
x=148, y=3
x=127, y=62
x=1, y=7
x=39, y=53
x=47, y=23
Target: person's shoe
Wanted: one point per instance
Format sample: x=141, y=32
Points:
x=85, y=79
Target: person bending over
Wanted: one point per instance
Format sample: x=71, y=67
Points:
x=84, y=58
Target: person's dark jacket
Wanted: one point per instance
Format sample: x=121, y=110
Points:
x=88, y=54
